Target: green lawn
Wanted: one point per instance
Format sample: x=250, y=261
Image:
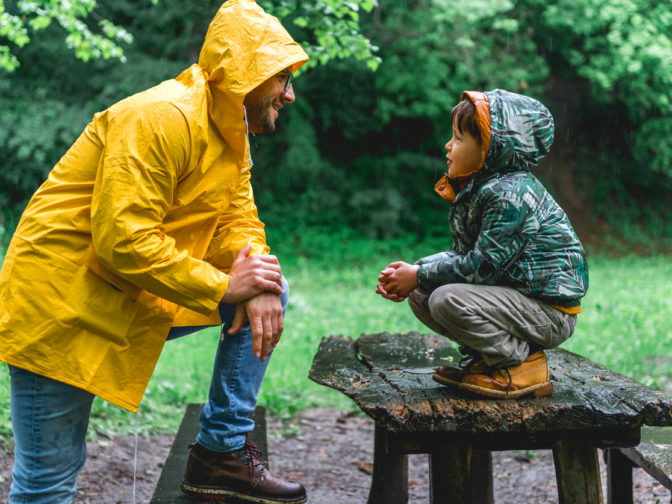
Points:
x=626, y=322
x=625, y=325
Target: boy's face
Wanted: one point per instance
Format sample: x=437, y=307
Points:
x=465, y=155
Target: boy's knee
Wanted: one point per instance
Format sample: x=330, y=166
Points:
x=445, y=303
x=417, y=300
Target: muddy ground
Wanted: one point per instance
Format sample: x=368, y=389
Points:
x=327, y=450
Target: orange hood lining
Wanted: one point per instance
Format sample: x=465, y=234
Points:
x=480, y=101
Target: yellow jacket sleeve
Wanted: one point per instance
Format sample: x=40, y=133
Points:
x=237, y=227
x=146, y=150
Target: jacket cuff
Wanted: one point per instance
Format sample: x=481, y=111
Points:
x=431, y=258
x=422, y=276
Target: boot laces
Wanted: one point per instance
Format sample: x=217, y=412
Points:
x=467, y=360
x=508, y=387
x=252, y=453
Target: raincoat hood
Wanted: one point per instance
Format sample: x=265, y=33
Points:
x=516, y=132
x=244, y=46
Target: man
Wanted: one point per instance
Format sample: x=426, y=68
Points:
x=144, y=231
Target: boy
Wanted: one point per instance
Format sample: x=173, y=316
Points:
x=512, y=282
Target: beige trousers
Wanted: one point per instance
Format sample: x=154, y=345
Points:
x=500, y=323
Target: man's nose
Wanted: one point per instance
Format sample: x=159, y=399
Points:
x=288, y=96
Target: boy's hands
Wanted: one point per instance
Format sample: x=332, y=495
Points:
x=397, y=281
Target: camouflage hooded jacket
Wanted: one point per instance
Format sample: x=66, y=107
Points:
x=507, y=229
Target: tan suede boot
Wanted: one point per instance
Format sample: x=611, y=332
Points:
x=530, y=377
x=452, y=375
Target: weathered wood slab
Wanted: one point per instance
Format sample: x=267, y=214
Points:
x=389, y=376
x=654, y=453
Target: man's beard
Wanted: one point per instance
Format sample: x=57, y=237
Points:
x=259, y=117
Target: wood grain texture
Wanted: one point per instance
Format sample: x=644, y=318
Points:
x=389, y=376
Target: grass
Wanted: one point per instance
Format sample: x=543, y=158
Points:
x=625, y=325
x=626, y=322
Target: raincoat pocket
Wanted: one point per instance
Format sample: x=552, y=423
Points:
x=100, y=307
x=92, y=262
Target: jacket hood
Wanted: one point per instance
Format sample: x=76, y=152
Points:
x=519, y=132
x=516, y=133
x=244, y=46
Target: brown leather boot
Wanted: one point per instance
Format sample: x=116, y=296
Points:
x=530, y=377
x=237, y=474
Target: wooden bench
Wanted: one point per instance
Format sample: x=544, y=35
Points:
x=168, y=487
x=389, y=377
x=653, y=454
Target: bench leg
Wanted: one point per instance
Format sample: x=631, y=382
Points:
x=481, y=478
x=577, y=472
x=459, y=474
x=389, y=484
x=619, y=477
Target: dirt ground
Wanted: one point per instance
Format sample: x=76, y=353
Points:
x=328, y=451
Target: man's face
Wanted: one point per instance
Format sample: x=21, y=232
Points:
x=264, y=102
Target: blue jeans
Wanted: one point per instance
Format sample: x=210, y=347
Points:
x=50, y=418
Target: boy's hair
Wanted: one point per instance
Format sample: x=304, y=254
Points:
x=464, y=116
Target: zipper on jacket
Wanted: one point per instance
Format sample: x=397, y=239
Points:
x=247, y=137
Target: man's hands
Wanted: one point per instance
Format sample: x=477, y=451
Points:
x=265, y=313
x=255, y=284
x=397, y=281
x=251, y=275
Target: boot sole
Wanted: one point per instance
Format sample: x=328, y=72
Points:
x=221, y=493
x=539, y=390
x=445, y=381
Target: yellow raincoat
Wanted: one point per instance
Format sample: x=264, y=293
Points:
x=136, y=226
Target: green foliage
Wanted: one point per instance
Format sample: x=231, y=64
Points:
x=624, y=50
x=24, y=16
x=12, y=28
x=333, y=29
x=436, y=49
